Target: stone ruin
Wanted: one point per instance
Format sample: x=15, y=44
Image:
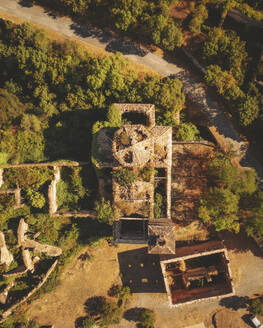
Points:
x=29, y=262
x=5, y=256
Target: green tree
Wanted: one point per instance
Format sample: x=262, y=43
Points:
x=222, y=80
x=248, y=110
x=222, y=172
x=30, y=122
x=254, y=225
x=171, y=37
x=200, y=14
x=11, y=108
x=220, y=208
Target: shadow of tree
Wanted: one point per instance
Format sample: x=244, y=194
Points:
x=133, y=314
x=235, y=302
x=94, y=304
x=239, y=242
x=126, y=48
x=26, y=3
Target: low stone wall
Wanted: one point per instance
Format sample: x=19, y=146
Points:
x=195, y=142
x=52, y=164
x=80, y=214
x=14, y=306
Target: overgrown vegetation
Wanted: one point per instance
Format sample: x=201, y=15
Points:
x=148, y=20
x=125, y=177
x=232, y=190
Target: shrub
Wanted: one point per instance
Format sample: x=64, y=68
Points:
x=114, y=116
x=105, y=212
x=147, y=319
x=256, y=307
x=158, y=203
x=88, y=323
x=124, y=177
x=36, y=199
x=187, y=131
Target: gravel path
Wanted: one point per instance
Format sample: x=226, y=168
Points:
x=96, y=37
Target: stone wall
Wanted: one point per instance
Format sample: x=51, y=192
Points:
x=182, y=258
x=1, y=177
x=147, y=109
x=52, y=189
x=14, y=306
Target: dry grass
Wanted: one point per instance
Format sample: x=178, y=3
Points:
x=94, y=51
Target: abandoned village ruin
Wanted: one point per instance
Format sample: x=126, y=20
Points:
x=190, y=273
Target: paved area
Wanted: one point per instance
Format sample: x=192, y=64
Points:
x=101, y=39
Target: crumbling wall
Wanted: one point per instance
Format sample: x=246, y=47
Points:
x=14, y=306
x=5, y=256
x=147, y=109
x=1, y=177
x=52, y=189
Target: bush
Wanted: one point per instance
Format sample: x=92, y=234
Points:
x=105, y=212
x=146, y=319
x=114, y=116
x=124, y=177
x=256, y=307
x=158, y=204
x=187, y=131
x=36, y=199
x=88, y=323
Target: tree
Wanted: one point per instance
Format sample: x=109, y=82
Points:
x=222, y=172
x=222, y=80
x=220, y=208
x=30, y=122
x=226, y=48
x=254, y=226
x=105, y=212
x=126, y=13
x=248, y=110
x=200, y=14
x=11, y=108
x=171, y=37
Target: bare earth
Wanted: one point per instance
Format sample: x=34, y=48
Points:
x=84, y=279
